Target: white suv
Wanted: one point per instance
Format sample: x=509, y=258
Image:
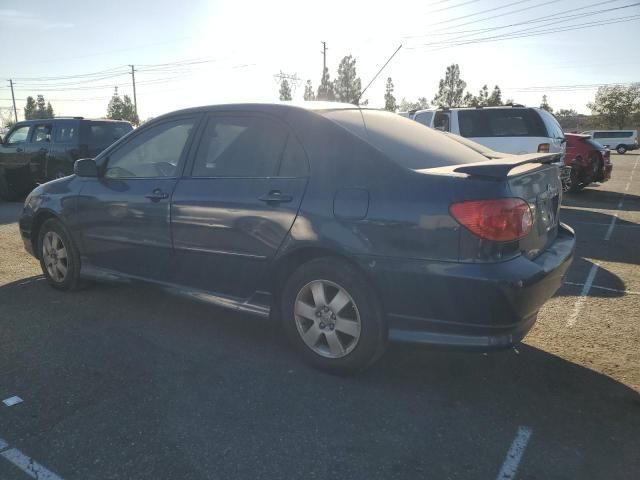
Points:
x=619, y=140
x=509, y=129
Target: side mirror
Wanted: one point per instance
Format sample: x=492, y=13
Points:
x=85, y=167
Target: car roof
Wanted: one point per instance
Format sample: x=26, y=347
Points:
x=62, y=119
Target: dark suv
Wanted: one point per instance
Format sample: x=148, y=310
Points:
x=36, y=151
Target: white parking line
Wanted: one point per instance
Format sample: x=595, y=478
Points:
x=514, y=455
x=608, y=289
x=614, y=219
x=25, y=463
x=571, y=321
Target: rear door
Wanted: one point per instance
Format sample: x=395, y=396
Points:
x=557, y=141
x=232, y=211
x=64, y=150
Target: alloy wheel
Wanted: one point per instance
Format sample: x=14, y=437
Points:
x=327, y=319
x=55, y=256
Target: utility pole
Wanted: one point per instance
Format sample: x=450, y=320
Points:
x=135, y=101
x=13, y=97
x=293, y=79
x=324, y=56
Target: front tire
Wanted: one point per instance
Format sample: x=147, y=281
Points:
x=332, y=316
x=621, y=149
x=59, y=257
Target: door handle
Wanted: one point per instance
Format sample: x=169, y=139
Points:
x=18, y=150
x=276, y=197
x=157, y=195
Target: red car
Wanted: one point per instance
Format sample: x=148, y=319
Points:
x=589, y=162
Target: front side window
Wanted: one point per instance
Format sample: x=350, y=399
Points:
x=240, y=146
x=41, y=134
x=19, y=135
x=424, y=118
x=154, y=153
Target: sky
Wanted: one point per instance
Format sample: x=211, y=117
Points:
x=209, y=52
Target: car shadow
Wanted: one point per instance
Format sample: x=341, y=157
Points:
x=592, y=197
x=195, y=377
x=9, y=212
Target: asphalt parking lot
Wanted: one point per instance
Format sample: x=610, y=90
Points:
x=126, y=382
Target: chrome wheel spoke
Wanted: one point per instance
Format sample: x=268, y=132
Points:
x=305, y=311
x=317, y=290
x=312, y=336
x=62, y=268
x=62, y=254
x=348, y=327
x=335, y=346
x=340, y=301
x=320, y=324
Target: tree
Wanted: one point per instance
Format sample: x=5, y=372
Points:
x=616, y=104
x=30, y=109
x=450, y=88
x=347, y=86
x=545, y=104
x=122, y=109
x=285, y=90
x=308, y=92
x=407, y=106
x=389, y=100
x=469, y=100
x=495, y=99
x=325, y=89
x=49, y=110
x=564, y=113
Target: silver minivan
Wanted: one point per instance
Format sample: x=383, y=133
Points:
x=619, y=140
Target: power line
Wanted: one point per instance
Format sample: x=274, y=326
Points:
x=536, y=28
x=481, y=12
x=526, y=33
x=534, y=20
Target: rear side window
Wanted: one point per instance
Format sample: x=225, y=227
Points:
x=490, y=122
x=240, y=146
x=612, y=134
x=66, y=132
x=294, y=159
x=406, y=142
x=103, y=134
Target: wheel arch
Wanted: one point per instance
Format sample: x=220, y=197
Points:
x=287, y=263
x=38, y=220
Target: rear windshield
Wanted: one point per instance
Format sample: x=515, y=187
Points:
x=103, y=134
x=499, y=122
x=404, y=141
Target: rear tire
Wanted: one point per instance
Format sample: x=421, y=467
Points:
x=332, y=317
x=574, y=185
x=621, y=149
x=59, y=257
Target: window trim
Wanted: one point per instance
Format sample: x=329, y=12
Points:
x=105, y=157
x=14, y=129
x=189, y=168
x=35, y=126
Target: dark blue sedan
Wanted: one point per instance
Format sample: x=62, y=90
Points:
x=351, y=226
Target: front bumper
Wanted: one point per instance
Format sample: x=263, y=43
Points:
x=469, y=304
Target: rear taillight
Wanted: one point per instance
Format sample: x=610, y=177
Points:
x=543, y=148
x=500, y=220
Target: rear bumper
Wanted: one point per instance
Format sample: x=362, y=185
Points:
x=469, y=304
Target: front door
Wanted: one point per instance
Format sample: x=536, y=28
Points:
x=124, y=213
x=231, y=214
x=37, y=150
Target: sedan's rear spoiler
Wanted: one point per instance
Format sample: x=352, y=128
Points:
x=500, y=167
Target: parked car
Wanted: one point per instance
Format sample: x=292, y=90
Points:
x=589, y=162
x=36, y=151
x=510, y=129
x=619, y=140
x=352, y=226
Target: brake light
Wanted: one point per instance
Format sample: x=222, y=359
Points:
x=500, y=220
x=543, y=148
